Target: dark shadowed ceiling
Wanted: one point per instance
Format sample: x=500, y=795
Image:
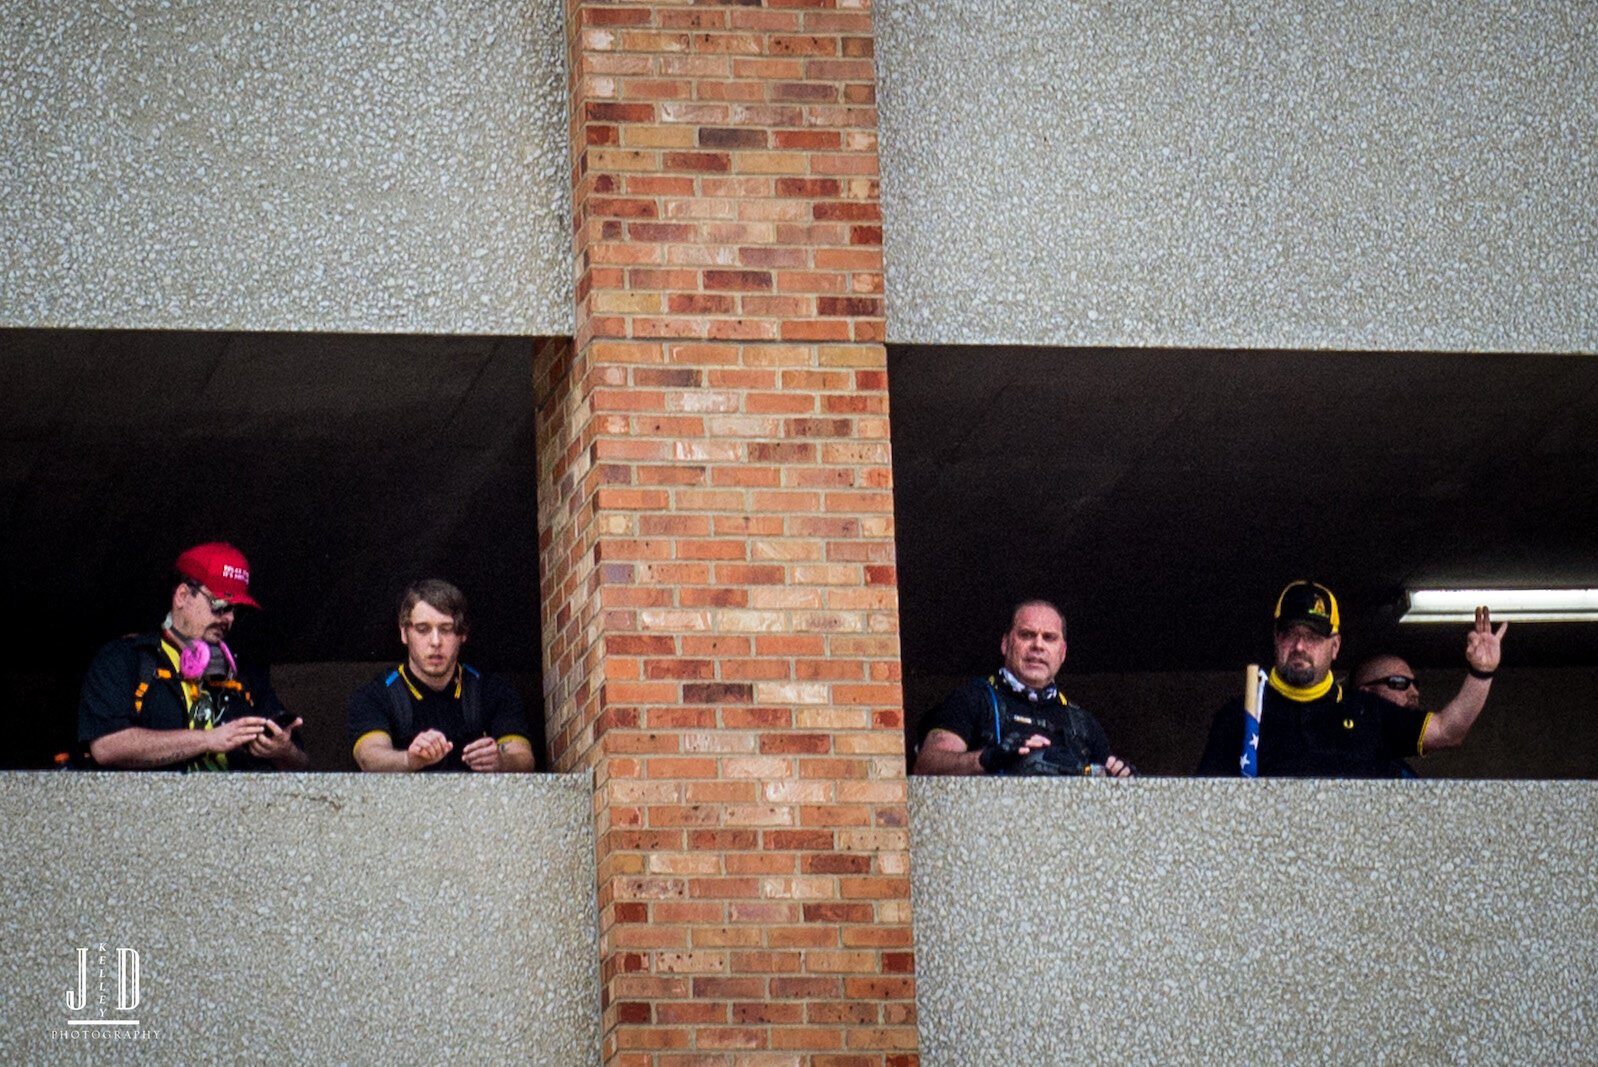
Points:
x=1162, y=497
x=343, y=466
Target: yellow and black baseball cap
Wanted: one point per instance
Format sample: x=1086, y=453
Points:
x=1310, y=604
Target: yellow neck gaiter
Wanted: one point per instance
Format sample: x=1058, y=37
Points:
x=1305, y=695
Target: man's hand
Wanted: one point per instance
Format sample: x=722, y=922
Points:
x=235, y=734
x=428, y=748
x=482, y=755
x=1117, y=767
x=1010, y=750
x=276, y=743
x=1448, y=727
x=1483, y=643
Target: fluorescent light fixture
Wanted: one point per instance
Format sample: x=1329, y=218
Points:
x=1515, y=605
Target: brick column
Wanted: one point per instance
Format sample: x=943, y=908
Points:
x=716, y=532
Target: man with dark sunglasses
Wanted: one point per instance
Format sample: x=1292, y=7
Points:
x=175, y=698
x=1393, y=680
x=1389, y=678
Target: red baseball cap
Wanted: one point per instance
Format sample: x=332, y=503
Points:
x=221, y=568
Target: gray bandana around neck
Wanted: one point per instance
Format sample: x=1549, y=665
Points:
x=1020, y=688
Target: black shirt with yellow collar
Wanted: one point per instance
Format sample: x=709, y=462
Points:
x=1324, y=731
x=136, y=681
x=499, y=711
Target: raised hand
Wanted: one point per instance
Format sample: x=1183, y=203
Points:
x=1483, y=644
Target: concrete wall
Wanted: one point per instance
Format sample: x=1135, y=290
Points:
x=1358, y=176
x=1218, y=922
x=348, y=166
x=1355, y=176
x=302, y=918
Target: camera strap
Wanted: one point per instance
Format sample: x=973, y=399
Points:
x=1073, y=720
x=998, y=727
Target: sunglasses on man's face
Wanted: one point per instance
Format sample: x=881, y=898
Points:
x=217, y=604
x=1396, y=682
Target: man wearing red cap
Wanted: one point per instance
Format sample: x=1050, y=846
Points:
x=174, y=699
x=1311, y=727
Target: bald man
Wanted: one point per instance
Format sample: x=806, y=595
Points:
x=1009, y=722
x=1389, y=678
x=1393, y=680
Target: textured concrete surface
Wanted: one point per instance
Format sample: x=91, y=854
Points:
x=1355, y=175
x=301, y=918
x=361, y=165
x=1180, y=921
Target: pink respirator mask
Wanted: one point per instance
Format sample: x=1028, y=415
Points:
x=196, y=657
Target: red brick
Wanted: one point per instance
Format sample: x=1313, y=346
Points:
x=722, y=693
x=706, y=162
x=805, y=92
x=720, y=137
x=796, y=743
x=602, y=16
x=659, y=185
x=768, y=1013
x=726, y=988
x=661, y=231
x=691, y=20
x=757, y=718
x=835, y=863
x=809, y=988
x=843, y=210
x=712, y=460
x=738, y=280
x=858, y=305
x=623, y=207
x=807, y=140
x=701, y=304
x=847, y=1011
x=724, y=840
x=610, y=112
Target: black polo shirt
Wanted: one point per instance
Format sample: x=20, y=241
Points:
x=116, y=695
x=371, y=710
x=1341, y=734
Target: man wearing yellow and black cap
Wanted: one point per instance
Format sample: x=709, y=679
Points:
x=1311, y=727
x=175, y=698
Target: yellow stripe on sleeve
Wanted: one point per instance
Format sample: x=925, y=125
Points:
x=1420, y=745
x=369, y=733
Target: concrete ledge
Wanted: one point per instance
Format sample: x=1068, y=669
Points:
x=301, y=918
x=1186, y=921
